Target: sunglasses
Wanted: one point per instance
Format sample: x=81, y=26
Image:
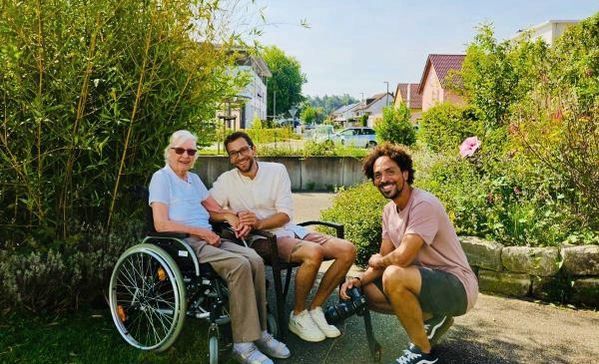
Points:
x=180, y=151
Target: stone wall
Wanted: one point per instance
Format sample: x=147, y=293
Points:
x=568, y=274
x=306, y=174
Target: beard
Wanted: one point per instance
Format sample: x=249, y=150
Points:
x=250, y=164
x=392, y=193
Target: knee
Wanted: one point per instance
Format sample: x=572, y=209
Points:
x=240, y=267
x=393, y=278
x=256, y=262
x=314, y=255
x=347, y=252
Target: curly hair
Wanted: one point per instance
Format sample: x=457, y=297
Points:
x=395, y=152
x=236, y=135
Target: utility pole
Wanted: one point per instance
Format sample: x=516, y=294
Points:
x=274, y=105
x=387, y=94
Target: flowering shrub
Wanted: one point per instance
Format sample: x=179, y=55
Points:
x=469, y=146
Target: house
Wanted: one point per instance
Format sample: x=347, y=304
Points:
x=373, y=107
x=345, y=113
x=548, y=31
x=407, y=93
x=240, y=111
x=434, y=81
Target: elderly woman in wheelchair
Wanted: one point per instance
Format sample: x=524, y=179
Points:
x=150, y=282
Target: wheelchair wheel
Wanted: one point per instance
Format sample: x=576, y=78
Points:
x=147, y=297
x=213, y=349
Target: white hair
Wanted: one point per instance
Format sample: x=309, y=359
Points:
x=177, y=138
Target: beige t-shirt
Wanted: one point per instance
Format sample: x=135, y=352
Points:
x=268, y=193
x=425, y=216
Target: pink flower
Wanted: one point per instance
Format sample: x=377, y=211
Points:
x=469, y=146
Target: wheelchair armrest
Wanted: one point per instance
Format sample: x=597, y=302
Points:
x=339, y=228
x=168, y=234
x=269, y=251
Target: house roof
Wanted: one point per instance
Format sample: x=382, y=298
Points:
x=442, y=64
x=345, y=108
x=413, y=98
x=371, y=100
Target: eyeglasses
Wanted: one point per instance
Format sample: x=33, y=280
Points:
x=234, y=154
x=180, y=151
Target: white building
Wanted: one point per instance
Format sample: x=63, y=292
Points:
x=373, y=107
x=251, y=102
x=549, y=31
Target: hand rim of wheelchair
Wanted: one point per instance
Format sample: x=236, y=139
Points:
x=145, y=299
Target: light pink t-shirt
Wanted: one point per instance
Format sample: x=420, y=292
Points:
x=425, y=216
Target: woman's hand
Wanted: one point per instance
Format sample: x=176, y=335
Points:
x=209, y=237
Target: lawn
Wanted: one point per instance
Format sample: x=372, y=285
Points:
x=89, y=336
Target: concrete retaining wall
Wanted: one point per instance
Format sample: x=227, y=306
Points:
x=306, y=174
x=569, y=274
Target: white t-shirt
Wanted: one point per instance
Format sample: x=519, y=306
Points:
x=183, y=198
x=268, y=193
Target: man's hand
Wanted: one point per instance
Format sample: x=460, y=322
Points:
x=347, y=285
x=242, y=231
x=376, y=261
x=248, y=218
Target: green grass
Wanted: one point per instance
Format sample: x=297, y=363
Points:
x=89, y=336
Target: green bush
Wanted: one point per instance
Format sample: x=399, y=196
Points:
x=443, y=127
x=395, y=126
x=64, y=276
x=359, y=209
x=271, y=135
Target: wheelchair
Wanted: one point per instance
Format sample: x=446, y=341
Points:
x=156, y=284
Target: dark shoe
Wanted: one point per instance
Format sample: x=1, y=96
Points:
x=436, y=327
x=415, y=356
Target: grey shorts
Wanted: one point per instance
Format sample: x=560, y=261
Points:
x=440, y=293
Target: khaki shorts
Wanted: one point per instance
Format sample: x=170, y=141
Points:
x=286, y=245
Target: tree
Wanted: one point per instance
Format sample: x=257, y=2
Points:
x=312, y=115
x=90, y=90
x=497, y=74
x=395, y=127
x=330, y=103
x=285, y=86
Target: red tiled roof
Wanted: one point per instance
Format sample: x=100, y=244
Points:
x=441, y=63
x=415, y=97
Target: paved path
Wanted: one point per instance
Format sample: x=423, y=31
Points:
x=497, y=330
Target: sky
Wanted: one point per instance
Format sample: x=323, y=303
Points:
x=354, y=46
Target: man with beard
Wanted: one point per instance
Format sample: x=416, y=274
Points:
x=421, y=273
x=260, y=193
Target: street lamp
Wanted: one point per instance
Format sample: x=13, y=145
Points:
x=387, y=94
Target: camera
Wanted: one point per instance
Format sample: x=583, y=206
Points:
x=344, y=309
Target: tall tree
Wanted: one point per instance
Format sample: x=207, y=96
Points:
x=330, y=103
x=285, y=86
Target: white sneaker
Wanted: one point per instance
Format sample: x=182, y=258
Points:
x=272, y=347
x=303, y=326
x=251, y=356
x=330, y=331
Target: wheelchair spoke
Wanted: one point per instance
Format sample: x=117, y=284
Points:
x=161, y=318
x=147, y=301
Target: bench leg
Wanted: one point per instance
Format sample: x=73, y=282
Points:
x=280, y=301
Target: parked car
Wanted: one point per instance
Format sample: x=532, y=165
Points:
x=322, y=133
x=362, y=137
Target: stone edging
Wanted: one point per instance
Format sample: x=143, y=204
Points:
x=568, y=274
